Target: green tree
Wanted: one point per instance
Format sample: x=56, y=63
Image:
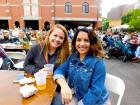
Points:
x=105, y=23
x=134, y=22
x=126, y=18
x=132, y=18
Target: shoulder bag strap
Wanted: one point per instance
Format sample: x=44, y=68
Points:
x=43, y=53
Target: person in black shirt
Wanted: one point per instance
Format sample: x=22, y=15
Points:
x=54, y=50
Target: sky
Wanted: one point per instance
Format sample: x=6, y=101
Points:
x=108, y=4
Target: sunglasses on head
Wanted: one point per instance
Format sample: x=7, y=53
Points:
x=84, y=27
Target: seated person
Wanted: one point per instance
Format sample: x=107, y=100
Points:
x=82, y=76
x=133, y=44
x=6, y=38
x=22, y=37
x=137, y=55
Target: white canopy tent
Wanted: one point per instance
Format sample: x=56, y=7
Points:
x=119, y=28
x=125, y=26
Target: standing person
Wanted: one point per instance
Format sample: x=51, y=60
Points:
x=53, y=50
x=84, y=71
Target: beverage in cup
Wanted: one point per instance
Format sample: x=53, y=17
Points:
x=40, y=78
x=49, y=67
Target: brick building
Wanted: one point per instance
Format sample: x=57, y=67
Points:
x=40, y=14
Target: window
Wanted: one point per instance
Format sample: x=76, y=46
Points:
x=26, y=1
x=85, y=7
x=35, y=8
x=68, y=7
x=26, y=7
x=31, y=6
x=26, y=10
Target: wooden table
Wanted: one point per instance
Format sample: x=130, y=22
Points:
x=14, y=47
x=9, y=92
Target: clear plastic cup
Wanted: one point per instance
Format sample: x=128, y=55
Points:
x=40, y=78
x=49, y=67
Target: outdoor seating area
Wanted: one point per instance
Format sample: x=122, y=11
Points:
x=10, y=89
x=69, y=52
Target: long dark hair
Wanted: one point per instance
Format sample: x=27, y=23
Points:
x=95, y=46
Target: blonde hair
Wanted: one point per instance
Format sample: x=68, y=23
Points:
x=63, y=51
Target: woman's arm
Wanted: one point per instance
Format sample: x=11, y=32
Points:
x=59, y=77
x=66, y=93
x=29, y=65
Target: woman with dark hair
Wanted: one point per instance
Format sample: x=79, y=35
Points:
x=53, y=50
x=84, y=71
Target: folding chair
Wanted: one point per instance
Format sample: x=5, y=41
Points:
x=16, y=56
x=1, y=62
x=115, y=85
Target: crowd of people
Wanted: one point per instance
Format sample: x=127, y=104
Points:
x=126, y=42
x=84, y=64
x=81, y=62
x=12, y=36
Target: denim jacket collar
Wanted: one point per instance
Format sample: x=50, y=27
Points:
x=76, y=58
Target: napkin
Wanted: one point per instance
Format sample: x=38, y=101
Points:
x=26, y=80
x=28, y=90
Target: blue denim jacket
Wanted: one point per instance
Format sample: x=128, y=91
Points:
x=86, y=78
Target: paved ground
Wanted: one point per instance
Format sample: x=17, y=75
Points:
x=130, y=73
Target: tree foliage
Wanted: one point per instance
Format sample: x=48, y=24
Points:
x=126, y=18
x=105, y=23
x=132, y=19
x=135, y=20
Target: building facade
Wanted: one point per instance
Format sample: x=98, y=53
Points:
x=39, y=14
x=116, y=13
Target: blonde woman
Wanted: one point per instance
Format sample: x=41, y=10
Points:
x=54, y=50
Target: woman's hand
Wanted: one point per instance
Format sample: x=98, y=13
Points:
x=49, y=72
x=66, y=94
